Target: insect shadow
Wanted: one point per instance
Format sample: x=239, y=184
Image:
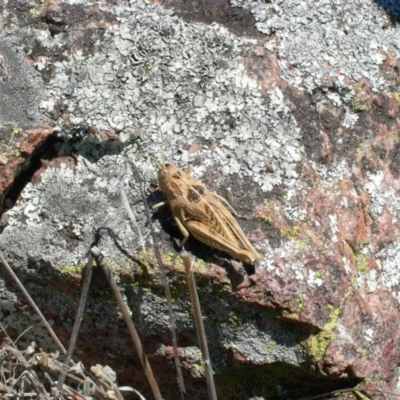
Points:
x=392, y=8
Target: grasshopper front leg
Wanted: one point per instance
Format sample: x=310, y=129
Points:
x=183, y=230
x=160, y=204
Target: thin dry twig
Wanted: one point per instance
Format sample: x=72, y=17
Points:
x=17, y=374
x=201, y=333
x=22, y=334
x=130, y=389
x=33, y=381
x=19, y=378
x=32, y=303
x=106, y=378
x=78, y=321
x=128, y=320
x=50, y=362
x=125, y=203
x=354, y=390
x=172, y=324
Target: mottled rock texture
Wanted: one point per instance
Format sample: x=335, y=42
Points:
x=288, y=109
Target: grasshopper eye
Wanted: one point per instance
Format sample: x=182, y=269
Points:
x=177, y=175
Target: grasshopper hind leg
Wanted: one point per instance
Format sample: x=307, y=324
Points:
x=219, y=242
x=223, y=200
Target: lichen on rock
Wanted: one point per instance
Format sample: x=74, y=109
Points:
x=296, y=126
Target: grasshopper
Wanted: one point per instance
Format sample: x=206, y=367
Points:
x=201, y=213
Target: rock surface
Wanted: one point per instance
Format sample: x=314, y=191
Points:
x=290, y=110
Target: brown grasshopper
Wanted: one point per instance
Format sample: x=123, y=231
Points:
x=201, y=213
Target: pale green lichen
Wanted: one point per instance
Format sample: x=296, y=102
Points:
x=361, y=263
x=319, y=273
x=321, y=340
x=71, y=269
x=15, y=131
x=300, y=301
x=175, y=260
x=299, y=304
x=293, y=234
x=266, y=219
x=364, y=353
x=232, y=317
x=357, y=105
x=271, y=346
x=318, y=343
x=290, y=233
x=396, y=96
x=198, y=367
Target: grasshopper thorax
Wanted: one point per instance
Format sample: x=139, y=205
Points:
x=169, y=180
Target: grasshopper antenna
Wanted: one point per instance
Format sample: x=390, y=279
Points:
x=162, y=147
x=154, y=159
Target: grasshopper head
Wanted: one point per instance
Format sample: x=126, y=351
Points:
x=168, y=179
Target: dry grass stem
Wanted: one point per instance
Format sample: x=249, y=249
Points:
x=125, y=203
x=32, y=303
x=357, y=392
x=78, y=320
x=23, y=374
x=201, y=333
x=128, y=320
x=172, y=324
